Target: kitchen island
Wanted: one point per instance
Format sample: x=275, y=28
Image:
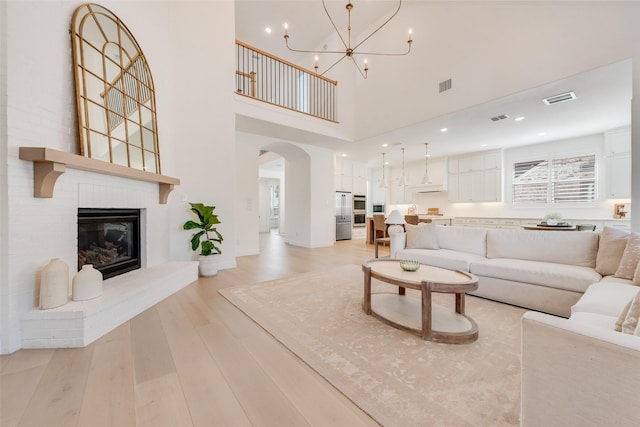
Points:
x=435, y=219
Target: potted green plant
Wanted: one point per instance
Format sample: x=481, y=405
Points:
x=206, y=238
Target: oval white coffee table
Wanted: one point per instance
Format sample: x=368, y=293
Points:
x=419, y=316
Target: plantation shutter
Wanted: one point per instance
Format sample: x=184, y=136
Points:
x=573, y=179
x=530, y=181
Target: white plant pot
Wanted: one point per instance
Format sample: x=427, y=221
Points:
x=208, y=265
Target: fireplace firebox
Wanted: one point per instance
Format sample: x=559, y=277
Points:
x=109, y=239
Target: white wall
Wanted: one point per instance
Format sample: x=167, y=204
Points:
x=196, y=135
x=4, y=212
x=247, y=199
x=200, y=116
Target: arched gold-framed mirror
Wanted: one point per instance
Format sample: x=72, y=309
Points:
x=114, y=92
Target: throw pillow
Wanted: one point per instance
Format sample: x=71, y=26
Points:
x=631, y=321
x=622, y=317
x=610, y=250
x=421, y=236
x=636, y=275
x=630, y=257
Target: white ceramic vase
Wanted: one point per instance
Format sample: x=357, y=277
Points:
x=54, y=284
x=87, y=283
x=208, y=265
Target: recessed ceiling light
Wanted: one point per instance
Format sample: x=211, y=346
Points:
x=385, y=145
x=444, y=130
x=519, y=119
x=344, y=154
x=483, y=145
x=268, y=30
x=541, y=134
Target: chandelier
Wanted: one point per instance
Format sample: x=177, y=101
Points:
x=349, y=50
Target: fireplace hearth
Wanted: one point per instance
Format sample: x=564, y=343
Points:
x=109, y=239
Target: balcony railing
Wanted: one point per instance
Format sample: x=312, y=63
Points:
x=273, y=80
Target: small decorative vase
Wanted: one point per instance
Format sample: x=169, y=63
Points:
x=87, y=283
x=54, y=284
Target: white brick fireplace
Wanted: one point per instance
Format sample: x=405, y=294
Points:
x=77, y=324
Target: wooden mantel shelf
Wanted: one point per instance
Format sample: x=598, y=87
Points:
x=49, y=164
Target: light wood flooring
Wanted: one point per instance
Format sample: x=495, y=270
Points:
x=193, y=359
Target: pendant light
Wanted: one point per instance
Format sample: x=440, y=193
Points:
x=403, y=179
x=382, y=183
x=426, y=179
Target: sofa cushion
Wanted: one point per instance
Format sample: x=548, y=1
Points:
x=594, y=319
x=630, y=257
x=610, y=250
x=613, y=279
x=444, y=258
x=608, y=298
x=421, y=236
x=464, y=239
x=561, y=276
x=560, y=247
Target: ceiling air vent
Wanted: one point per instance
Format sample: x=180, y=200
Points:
x=445, y=85
x=500, y=117
x=563, y=97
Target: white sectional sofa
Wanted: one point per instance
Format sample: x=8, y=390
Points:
x=576, y=369
x=544, y=271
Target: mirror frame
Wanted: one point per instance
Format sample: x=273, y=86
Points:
x=115, y=95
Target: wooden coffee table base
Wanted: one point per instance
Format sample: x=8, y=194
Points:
x=419, y=316
x=447, y=326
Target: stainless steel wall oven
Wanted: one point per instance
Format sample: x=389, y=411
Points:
x=359, y=210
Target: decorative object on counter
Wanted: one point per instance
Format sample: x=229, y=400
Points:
x=395, y=221
x=87, y=283
x=408, y=265
x=553, y=219
x=412, y=210
x=426, y=179
x=621, y=210
x=433, y=211
x=54, y=284
x=207, y=220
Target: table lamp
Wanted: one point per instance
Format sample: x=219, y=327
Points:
x=395, y=221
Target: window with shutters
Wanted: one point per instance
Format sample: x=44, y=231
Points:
x=555, y=181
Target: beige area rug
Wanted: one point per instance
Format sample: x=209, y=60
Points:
x=392, y=375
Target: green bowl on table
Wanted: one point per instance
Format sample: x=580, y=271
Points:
x=408, y=265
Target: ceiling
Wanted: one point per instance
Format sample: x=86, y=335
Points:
x=602, y=103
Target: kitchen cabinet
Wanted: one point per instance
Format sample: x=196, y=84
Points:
x=478, y=178
x=518, y=223
x=619, y=176
x=617, y=145
x=350, y=176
